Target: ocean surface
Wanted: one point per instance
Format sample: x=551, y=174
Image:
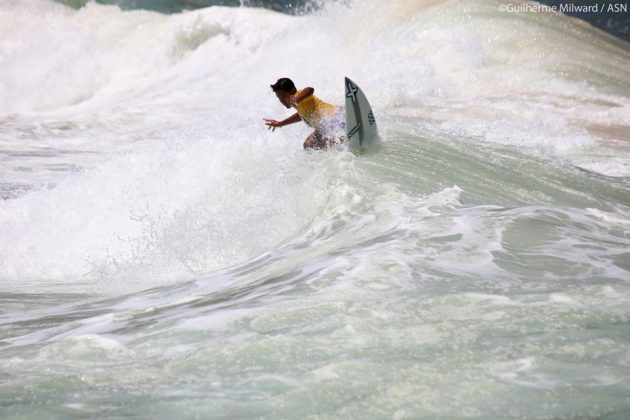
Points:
x=164, y=255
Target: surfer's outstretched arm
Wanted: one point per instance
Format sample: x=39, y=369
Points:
x=273, y=124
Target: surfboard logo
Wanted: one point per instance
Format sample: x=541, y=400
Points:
x=371, y=118
x=352, y=92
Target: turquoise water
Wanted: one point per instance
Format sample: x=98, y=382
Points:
x=164, y=255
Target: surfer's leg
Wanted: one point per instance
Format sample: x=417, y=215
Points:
x=332, y=133
x=315, y=141
x=310, y=140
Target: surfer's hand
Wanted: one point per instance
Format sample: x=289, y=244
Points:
x=272, y=124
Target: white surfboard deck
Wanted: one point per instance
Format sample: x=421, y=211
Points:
x=361, y=133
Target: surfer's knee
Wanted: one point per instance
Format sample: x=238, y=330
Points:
x=314, y=141
x=308, y=143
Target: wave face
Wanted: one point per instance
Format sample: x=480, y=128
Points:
x=164, y=255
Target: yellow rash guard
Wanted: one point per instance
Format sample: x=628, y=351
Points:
x=314, y=111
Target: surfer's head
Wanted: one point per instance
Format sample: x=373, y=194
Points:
x=284, y=88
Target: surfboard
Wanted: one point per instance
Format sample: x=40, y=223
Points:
x=361, y=130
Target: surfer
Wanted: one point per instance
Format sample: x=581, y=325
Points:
x=327, y=120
